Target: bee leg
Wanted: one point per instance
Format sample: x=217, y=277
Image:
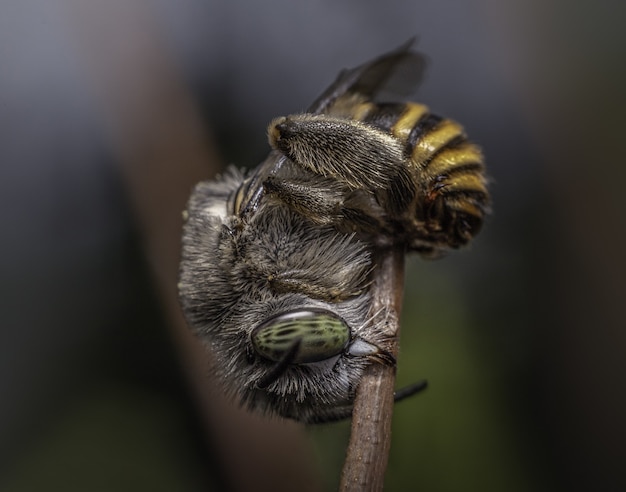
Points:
x=336, y=148
x=318, y=200
x=292, y=282
x=410, y=390
x=357, y=155
x=328, y=203
x=280, y=367
x=330, y=416
x=362, y=209
x=342, y=413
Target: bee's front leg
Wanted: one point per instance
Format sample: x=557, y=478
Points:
x=328, y=202
x=319, y=200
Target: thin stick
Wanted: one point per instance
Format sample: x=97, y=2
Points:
x=370, y=439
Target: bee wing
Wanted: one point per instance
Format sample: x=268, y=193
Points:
x=399, y=71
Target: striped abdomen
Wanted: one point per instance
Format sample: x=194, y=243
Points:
x=447, y=171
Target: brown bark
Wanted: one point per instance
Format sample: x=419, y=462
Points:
x=370, y=438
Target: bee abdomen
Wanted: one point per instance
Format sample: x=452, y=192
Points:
x=398, y=119
x=459, y=172
x=423, y=134
x=454, y=196
x=382, y=116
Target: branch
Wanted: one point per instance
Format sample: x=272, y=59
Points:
x=370, y=438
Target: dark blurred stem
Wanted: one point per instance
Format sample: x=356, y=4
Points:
x=370, y=438
x=158, y=137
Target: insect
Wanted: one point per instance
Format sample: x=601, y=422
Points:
x=394, y=172
x=284, y=306
x=276, y=265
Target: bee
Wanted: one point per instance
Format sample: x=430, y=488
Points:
x=276, y=264
x=394, y=172
x=284, y=306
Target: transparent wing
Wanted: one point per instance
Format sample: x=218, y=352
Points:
x=399, y=72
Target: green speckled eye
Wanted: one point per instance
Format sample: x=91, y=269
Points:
x=322, y=335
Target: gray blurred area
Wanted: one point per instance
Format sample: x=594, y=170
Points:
x=110, y=111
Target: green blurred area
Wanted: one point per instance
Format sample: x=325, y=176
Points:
x=117, y=438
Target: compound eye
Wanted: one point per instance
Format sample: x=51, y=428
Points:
x=322, y=334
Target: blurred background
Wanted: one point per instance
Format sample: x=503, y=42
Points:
x=111, y=111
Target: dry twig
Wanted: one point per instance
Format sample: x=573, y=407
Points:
x=370, y=439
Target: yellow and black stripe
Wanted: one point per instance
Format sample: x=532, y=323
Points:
x=447, y=169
